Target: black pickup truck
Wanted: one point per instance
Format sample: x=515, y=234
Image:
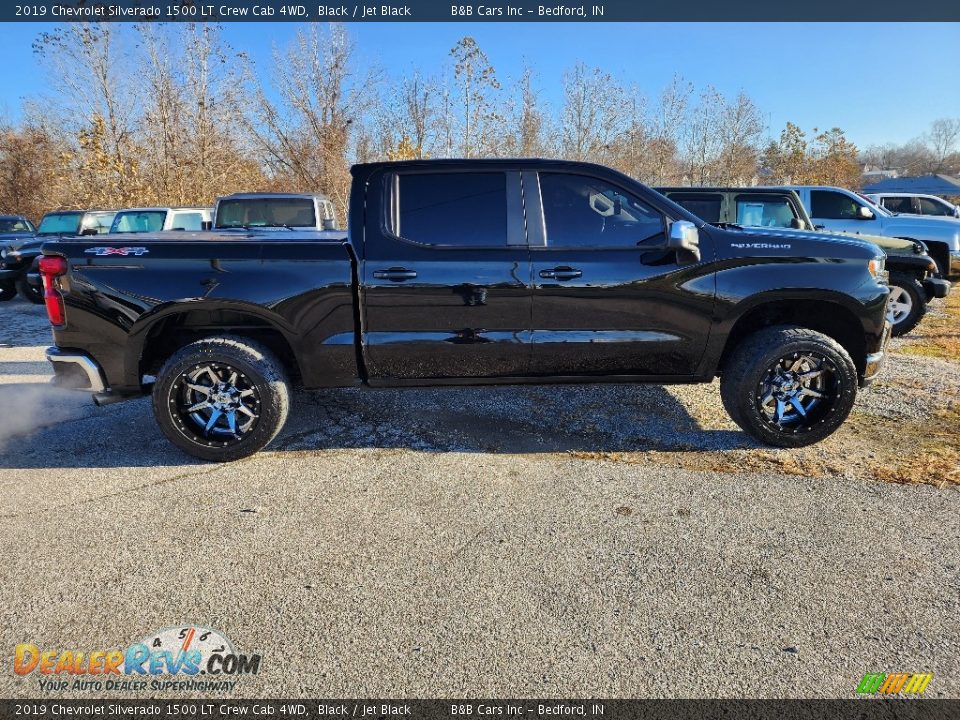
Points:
x=470, y=272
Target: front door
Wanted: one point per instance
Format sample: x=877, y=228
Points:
x=446, y=278
x=603, y=304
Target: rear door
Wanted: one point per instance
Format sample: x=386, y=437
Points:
x=446, y=289
x=602, y=303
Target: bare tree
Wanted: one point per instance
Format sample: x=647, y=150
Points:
x=477, y=83
x=595, y=110
x=666, y=129
x=942, y=139
x=527, y=123
x=305, y=136
x=94, y=108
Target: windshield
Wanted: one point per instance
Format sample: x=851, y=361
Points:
x=759, y=211
x=15, y=225
x=138, y=221
x=66, y=223
x=266, y=212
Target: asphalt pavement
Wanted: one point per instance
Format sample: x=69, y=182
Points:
x=469, y=542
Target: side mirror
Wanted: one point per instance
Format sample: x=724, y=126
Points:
x=206, y=225
x=798, y=224
x=864, y=213
x=329, y=224
x=684, y=236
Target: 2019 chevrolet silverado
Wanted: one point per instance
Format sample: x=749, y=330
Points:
x=913, y=273
x=470, y=272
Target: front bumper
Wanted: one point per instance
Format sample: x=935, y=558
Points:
x=76, y=371
x=875, y=360
x=9, y=274
x=936, y=288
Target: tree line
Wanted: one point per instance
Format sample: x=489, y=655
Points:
x=169, y=115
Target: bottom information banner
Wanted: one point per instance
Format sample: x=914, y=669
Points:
x=866, y=709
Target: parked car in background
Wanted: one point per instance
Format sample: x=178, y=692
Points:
x=292, y=211
x=14, y=231
x=834, y=208
x=912, y=204
x=158, y=219
x=913, y=273
x=471, y=272
x=19, y=260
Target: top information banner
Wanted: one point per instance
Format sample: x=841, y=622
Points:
x=514, y=11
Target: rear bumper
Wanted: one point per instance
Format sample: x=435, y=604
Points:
x=76, y=371
x=875, y=360
x=936, y=288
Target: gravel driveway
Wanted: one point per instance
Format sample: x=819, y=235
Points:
x=610, y=540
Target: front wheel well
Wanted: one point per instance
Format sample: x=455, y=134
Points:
x=831, y=319
x=172, y=332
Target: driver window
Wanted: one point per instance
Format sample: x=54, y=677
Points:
x=832, y=205
x=581, y=211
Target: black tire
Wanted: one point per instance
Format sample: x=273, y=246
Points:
x=8, y=290
x=751, y=381
x=248, y=375
x=29, y=292
x=907, y=303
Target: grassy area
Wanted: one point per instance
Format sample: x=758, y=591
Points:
x=939, y=334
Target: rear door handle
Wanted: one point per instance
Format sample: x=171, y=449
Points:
x=561, y=273
x=397, y=274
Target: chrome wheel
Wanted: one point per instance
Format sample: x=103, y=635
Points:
x=899, y=304
x=215, y=404
x=797, y=391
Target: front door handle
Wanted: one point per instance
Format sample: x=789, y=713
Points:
x=561, y=273
x=397, y=274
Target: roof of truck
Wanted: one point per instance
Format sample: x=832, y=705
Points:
x=268, y=195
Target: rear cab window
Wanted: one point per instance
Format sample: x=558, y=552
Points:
x=139, y=221
x=266, y=212
x=187, y=221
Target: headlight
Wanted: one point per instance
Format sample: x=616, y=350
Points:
x=3, y=253
x=876, y=266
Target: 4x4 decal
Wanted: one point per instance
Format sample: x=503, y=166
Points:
x=124, y=251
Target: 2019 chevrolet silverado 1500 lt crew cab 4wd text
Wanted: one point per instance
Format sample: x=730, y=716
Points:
x=470, y=272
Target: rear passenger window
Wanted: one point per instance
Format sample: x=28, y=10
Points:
x=705, y=206
x=832, y=205
x=460, y=209
x=187, y=221
x=898, y=204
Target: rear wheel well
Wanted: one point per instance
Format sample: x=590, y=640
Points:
x=174, y=331
x=829, y=318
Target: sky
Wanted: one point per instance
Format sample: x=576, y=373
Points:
x=879, y=82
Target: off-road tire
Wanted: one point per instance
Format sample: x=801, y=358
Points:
x=29, y=292
x=747, y=366
x=8, y=290
x=918, y=302
x=260, y=370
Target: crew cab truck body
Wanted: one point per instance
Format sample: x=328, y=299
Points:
x=838, y=209
x=470, y=272
x=913, y=275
